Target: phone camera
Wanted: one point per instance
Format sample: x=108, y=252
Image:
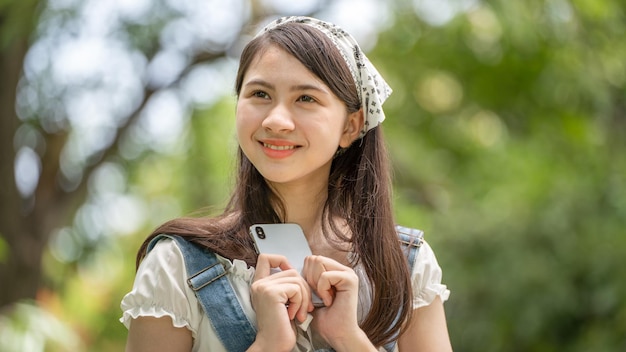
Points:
x=260, y=233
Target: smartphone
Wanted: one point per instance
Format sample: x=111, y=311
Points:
x=287, y=240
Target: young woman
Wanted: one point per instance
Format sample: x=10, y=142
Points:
x=310, y=152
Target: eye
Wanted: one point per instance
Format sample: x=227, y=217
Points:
x=260, y=94
x=307, y=99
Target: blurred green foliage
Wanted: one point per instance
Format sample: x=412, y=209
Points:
x=507, y=128
x=508, y=137
x=3, y=249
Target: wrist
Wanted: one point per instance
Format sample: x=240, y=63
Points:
x=264, y=345
x=259, y=347
x=354, y=342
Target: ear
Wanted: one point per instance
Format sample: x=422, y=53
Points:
x=352, y=129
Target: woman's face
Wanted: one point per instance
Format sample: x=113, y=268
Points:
x=289, y=123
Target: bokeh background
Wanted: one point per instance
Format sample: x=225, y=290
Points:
x=507, y=128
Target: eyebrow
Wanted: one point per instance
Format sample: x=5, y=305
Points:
x=298, y=87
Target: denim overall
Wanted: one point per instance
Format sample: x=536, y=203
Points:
x=206, y=276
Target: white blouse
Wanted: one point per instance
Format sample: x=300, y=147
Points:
x=160, y=289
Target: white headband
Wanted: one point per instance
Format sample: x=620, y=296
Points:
x=371, y=87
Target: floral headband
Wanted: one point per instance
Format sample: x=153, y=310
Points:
x=371, y=87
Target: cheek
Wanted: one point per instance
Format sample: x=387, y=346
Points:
x=243, y=118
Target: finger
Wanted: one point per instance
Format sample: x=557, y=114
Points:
x=326, y=262
x=314, y=267
x=341, y=281
x=286, y=288
x=297, y=295
x=325, y=291
x=265, y=262
x=307, y=304
x=294, y=302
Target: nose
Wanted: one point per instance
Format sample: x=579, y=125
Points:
x=279, y=119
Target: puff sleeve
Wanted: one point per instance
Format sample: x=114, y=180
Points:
x=426, y=278
x=160, y=289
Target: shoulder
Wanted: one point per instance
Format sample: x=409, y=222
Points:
x=175, y=252
x=426, y=274
x=164, y=254
x=161, y=274
x=160, y=289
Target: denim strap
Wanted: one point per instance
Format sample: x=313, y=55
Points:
x=207, y=278
x=412, y=239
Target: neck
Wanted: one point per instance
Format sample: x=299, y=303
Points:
x=303, y=205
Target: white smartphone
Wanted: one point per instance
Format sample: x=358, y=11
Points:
x=287, y=240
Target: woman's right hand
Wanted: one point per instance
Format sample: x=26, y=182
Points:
x=277, y=299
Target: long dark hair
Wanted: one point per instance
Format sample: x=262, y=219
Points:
x=359, y=191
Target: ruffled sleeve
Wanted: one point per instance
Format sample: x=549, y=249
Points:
x=426, y=278
x=160, y=289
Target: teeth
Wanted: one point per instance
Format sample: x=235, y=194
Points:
x=279, y=147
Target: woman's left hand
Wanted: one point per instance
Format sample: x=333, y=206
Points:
x=338, y=286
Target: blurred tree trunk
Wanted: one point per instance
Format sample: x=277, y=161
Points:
x=26, y=224
x=20, y=266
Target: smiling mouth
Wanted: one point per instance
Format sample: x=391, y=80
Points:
x=279, y=147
